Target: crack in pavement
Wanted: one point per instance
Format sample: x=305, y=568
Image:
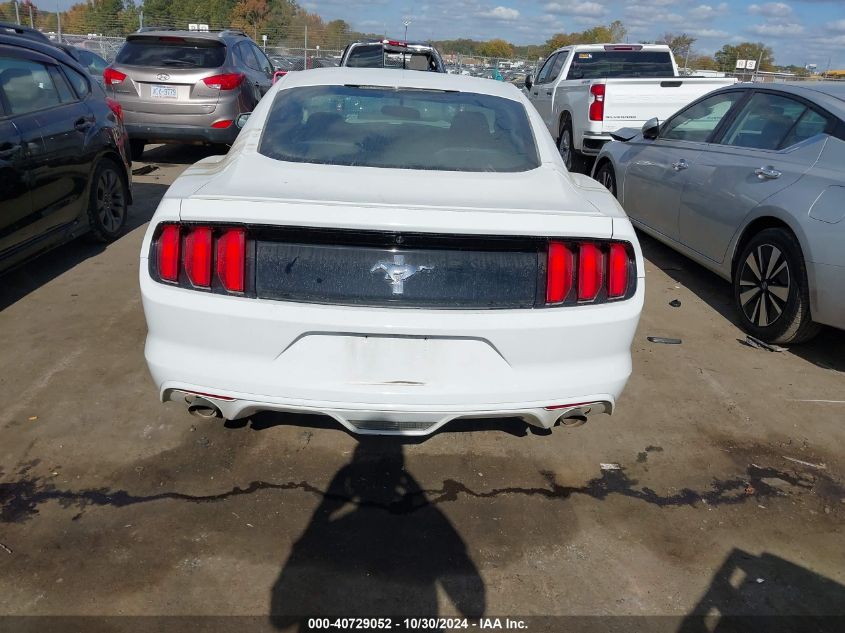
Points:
x=20, y=500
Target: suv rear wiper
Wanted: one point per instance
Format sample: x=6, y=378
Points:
x=179, y=62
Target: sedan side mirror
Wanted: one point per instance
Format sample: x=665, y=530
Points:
x=240, y=122
x=529, y=81
x=651, y=128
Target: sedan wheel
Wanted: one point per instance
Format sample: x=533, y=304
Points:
x=770, y=288
x=606, y=177
x=764, y=284
x=107, y=209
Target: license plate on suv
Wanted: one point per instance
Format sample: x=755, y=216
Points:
x=163, y=92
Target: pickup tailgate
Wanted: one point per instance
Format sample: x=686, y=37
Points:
x=632, y=102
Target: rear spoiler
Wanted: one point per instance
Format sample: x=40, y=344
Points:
x=624, y=134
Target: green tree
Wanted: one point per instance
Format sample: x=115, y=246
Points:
x=496, y=48
x=681, y=45
x=726, y=57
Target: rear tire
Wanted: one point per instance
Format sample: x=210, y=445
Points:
x=108, y=205
x=607, y=177
x=771, y=292
x=572, y=158
x=136, y=148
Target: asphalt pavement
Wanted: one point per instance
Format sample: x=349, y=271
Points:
x=716, y=488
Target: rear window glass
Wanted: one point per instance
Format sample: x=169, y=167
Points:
x=172, y=52
x=377, y=56
x=599, y=64
x=400, y=129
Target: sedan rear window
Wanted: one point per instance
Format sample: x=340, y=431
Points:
x=175, y=52
x=399, y=129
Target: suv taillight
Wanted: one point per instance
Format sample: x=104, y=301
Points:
x=227, y=81
x=583, y=271
x=112, y=76
x=597, y=92
x=193, y=250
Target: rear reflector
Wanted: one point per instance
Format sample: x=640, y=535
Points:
x=560, y=268
x=219, y=125
x=590, y=271
x=597, y=92
x=168, y=253
x=228, y=81
x=231, y=256
x=198, y=256
x=112, y=76
x=617, y=283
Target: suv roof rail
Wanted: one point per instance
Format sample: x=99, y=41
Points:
x=7, y=28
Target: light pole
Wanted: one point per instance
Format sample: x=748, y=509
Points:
x=407, y=22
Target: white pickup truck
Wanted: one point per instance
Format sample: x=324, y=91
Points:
x=587, y=91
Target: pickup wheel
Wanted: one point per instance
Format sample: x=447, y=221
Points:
x=606, y=176
x=572, y=158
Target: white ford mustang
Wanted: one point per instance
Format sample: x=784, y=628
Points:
x=396, y=250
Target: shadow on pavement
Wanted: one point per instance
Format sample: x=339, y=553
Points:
x=375, y=547
x=827, y=350
x=32, y=274
x=179, y=154
x=767, y=593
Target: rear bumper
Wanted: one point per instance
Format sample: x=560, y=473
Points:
x=159, y=133
x=382, y=370
x=592, y=142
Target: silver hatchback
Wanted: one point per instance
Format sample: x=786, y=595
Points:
x=187, y=86
x=750, y=182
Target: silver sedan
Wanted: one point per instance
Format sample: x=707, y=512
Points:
x=748, y=181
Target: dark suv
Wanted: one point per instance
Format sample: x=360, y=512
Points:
x=187, y=86
x=64, y=165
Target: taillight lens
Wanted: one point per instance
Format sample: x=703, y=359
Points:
x=168, y=253
x=560, y=271
x=227, y=81
x=115, y=107
x=584, y=271
x=198, y=256
x=112, y=76
x=231, y=259
x=597, y=92
x=221, y=125
x=200, y=251
x=590, y=271
x=617, y=277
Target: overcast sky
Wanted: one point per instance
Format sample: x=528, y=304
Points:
x=800, y=31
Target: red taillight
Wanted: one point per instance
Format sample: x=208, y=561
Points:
x=560, y=268
x=198, y=256
x=590, y=271
x=115, y=107
x=617, y=277
x=112, y=76
x=219, y=125
x=597, y=104
x=231, y=259
x=168, y=253
x=228, y=81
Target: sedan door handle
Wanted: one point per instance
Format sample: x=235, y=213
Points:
x=535, y=93
x=680, y=165
x=767, y=173
x=548, y=92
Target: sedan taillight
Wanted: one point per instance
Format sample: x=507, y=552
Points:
x=193, y=250
x=584, y=271
x=112, y=76
x=227, y=81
